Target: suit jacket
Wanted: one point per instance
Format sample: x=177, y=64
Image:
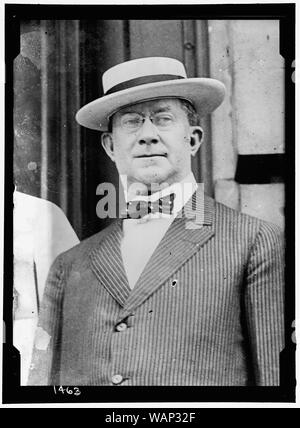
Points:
x=206, y=310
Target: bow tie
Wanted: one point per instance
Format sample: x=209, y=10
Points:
x=138, y=209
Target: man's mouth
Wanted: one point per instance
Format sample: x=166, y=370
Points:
x=152, y=155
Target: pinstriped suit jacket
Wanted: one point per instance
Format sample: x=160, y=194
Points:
x=207, y=309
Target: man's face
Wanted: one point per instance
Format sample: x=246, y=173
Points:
x=151, y=142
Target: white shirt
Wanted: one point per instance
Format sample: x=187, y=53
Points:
x=41, y=232
x=142, y=236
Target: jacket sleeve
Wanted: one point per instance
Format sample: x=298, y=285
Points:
x=264, y=303
x=44, y=369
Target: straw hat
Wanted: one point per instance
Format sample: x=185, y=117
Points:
x=145, y=79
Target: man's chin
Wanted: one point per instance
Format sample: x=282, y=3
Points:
x=156, y=176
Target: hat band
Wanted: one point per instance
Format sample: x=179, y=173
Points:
x=142, y=81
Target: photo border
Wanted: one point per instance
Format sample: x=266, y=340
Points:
x=12, y=392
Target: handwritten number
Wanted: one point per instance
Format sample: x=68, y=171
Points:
x=75, y=390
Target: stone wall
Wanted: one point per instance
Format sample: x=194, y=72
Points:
x=244, y=55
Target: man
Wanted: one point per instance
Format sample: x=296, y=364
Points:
x=187, y=293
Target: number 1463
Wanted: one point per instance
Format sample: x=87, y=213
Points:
x=74, y=390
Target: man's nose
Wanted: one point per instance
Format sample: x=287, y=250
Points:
x=148, y=133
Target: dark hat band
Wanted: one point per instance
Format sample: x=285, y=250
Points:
x=142, y=81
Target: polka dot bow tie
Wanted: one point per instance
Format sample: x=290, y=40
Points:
x=138, y=209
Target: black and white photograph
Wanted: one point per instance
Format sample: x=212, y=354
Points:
x=149, y=182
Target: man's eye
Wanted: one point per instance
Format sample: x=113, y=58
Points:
x=132, y=121
x=163, y=120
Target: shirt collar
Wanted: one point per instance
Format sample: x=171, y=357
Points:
x=183, y=191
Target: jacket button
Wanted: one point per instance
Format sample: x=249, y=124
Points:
x=121, y=327
x=117, y=379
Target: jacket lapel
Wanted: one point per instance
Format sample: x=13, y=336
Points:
x=107, y=264
x=186, y=235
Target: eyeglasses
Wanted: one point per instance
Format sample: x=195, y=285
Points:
x=131, y=122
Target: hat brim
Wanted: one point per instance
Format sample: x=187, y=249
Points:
x=205, y=94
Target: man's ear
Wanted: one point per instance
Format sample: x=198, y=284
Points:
x=108, y=144
x=196, y=138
